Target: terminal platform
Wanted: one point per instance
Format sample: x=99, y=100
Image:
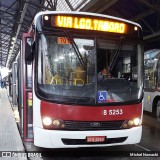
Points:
x=10, y=139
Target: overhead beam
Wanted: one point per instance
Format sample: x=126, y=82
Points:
x=39, y=5
x=5, y=12
x=50, y=3
x=80, y=5
x=69, y=4
x=152, y=36
x=89, y=5
x=55, y=4
x=145, y=14
x=152, y=30
x=109, y=4
x=9, y=8
x=149, y=5
x=4, y=32
x=24, y=9
x=142, y=15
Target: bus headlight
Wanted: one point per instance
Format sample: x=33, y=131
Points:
x=47, y=121
x=136, y=121
x=131, y=123
x=57, y=123
x=50, y=123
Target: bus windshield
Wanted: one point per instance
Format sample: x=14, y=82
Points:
x=94, y=70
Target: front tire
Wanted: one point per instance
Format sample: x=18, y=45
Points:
x=157, y=113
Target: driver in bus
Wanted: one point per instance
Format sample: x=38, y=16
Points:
x=104, y=73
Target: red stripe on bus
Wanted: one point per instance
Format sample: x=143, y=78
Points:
x=90, y=113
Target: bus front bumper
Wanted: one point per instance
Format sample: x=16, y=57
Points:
x=75, y=139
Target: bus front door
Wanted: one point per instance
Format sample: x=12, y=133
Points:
x=25, y=89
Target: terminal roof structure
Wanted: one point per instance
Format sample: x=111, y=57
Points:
x=16, y=17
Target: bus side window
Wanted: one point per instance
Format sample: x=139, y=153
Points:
x=150, y=74
x=158, y=74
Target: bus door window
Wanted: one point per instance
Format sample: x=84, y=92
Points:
x=29, y=75
x=29, y=109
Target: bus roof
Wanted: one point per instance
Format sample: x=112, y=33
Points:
x=84, y=13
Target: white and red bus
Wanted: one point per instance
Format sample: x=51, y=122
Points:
x=74, y=103
x=152, y=82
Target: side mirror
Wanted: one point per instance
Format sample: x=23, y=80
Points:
x=29, y=51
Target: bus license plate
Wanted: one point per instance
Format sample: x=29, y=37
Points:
x=95, y=138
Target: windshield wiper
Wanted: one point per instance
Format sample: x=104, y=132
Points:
x=75, y=47
x=117, y=53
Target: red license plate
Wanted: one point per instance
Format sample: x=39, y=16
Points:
x=95, y=138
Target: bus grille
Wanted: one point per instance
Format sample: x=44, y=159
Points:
x=93, y=125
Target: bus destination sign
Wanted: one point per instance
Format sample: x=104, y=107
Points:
x=88, y=23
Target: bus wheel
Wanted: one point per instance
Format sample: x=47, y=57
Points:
x=158, y=111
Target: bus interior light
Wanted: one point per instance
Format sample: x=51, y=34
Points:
x=71, y=54
x=61, y=57
x=56, y=60
x=155, y=59
x=47, y=121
